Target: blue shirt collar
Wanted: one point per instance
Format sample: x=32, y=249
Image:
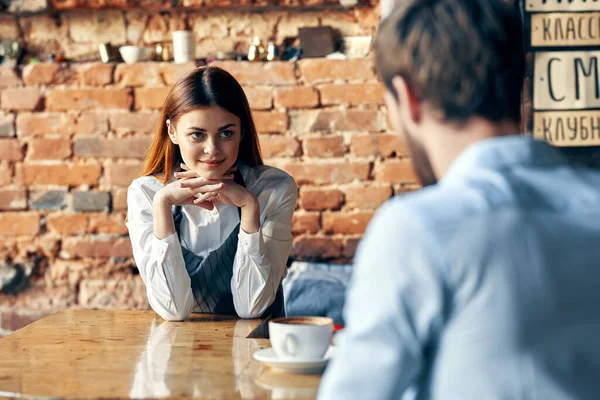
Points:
x=503, y=152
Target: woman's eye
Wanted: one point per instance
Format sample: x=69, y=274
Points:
x=227, y=134
x=197, y=135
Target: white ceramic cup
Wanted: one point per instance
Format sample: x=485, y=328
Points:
x=300, y=338
x=184, y=49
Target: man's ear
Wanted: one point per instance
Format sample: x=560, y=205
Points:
x=408, y=103
x=171, y=132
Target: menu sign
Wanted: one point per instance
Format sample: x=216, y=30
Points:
x=565, y=38
x=565, y=29
x=566, y=80
x=568, y=128
x=561, y=5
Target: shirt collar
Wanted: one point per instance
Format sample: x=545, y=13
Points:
x=502, y=152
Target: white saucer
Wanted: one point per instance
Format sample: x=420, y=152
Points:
x=268, y=357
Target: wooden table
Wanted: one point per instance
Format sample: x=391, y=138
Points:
x=92, y=353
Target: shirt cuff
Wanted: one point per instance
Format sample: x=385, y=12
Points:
x=160, y=248
x=251, y=243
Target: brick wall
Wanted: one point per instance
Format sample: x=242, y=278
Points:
x=73, y=136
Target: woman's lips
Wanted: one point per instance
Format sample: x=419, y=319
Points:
x=212, y=164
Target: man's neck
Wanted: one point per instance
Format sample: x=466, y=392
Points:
x=446, y=142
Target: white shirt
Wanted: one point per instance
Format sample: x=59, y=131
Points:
x=260, y=260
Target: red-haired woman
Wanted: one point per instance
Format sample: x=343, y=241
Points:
x=210, y=225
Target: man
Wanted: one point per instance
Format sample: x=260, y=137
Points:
x=486, y=284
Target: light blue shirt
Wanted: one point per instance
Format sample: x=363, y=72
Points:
x=485, y=286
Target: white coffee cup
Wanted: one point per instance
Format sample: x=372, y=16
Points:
x=184, y=47
x=300, y=338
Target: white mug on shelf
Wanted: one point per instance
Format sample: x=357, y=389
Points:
x=184, y=48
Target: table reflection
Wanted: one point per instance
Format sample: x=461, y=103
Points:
x=181, y=359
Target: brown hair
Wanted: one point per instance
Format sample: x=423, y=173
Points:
x=463, y=57
x=201, y=87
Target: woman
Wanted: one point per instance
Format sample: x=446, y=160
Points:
x=210, y=225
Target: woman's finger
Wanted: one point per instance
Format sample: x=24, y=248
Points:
x=198, y=182
x=184, y=167
x=207, y=188
x=203, y=197
x=185, y=174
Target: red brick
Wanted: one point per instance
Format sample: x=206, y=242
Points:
x=278, y=146
x=328, y=146
x=346, y=223
x=367, y=197
x=306, y=222
x=91, y=123
x=96, y=74
x=368, y=17
x=406, y=188
x=90, y=146
x=74, y=272
x=67, y=224
x=385, y=145
x=13, y=199
x=364, y=120
x=5, y=174
x=40, y=74
x=341, y=172
x=29, y=124
x=152, y=98
x=107, y=224
x=138, y=74
x=296, y=97
x=58, y=174
x=20, y=98
x=119, y=199
x=19, y=224
x=11, y=150
x=16, y=319
x=395, y=171
x=270, y=122
x=351, y=120
x=259, y=98
x=47, y=74
x=317, y=199
x=350, y=247
x=41, y=297
x=63, y=100
x=113, y=294
x=7, y=124
x=172, y=72
x=139, y=122
x=77, y=247
x=317, y=248
x=351, y=94
x=8, y=77
x=49, y=149
x=271, y=73
x=122, y=174
x=320, y=69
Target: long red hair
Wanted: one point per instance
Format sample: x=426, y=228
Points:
x=201, y=87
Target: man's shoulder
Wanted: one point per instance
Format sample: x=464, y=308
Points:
x=431, y=205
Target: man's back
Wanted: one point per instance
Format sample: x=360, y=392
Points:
x=491, y=289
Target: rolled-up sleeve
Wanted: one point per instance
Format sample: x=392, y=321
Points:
x=261, y=259
x=160, y=262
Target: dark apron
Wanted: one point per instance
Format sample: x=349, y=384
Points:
x=211, y=276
